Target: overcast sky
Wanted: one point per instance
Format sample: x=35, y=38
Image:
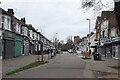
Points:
x=64, y=17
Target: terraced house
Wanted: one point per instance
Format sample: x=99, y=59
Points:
x=108, y=35
x=26, y=41
x=0, y=35
x=8, y=34
x=18, y=38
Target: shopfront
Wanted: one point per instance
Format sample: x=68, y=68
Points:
x=8, y=45
x=26, y=46
x=116, y=48
x=108, y=49
x=18, y=45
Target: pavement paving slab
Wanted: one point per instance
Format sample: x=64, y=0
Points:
x=15, y=63
x=101, y=69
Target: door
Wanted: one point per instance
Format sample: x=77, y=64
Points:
x=0, y=47
x=113, y=51
x=118, y=51
x=26, y=48
x=18, y=49
x=9, y=49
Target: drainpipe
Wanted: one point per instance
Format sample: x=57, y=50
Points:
x=99, y=39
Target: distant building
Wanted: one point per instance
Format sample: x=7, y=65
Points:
x=92, y=41
x=76, y=39
x=76, y=42
x=83, y=44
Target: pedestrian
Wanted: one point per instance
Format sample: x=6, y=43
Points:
x=51, y=51
x=89, y=52
x=29, y=52
x=48, y=53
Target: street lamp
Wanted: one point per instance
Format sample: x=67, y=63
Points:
x=56, y=40
x=89, y=34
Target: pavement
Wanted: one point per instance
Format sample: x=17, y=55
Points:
x=15, y=63
x=63, y=66
x=101, y=69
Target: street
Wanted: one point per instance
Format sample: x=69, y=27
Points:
x=60, y=39
x=62, y=66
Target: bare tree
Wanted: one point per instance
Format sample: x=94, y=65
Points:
x=69, y=43
x=97, y=5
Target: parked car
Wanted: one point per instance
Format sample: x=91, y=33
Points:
x=78, y=52
x=70, y=51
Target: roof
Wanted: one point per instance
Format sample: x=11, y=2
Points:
x=112, y=20
x=106, y=14
x=31, y=27
x=12, y=16
x=4, y=12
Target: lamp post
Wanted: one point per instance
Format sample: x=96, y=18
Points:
x=56, y=43
x=56, y=40
x=89, y=34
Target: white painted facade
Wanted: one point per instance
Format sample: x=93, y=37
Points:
x=35, y=35
x=83, y=45
x=113, y=32
x=6, y=21
x=18, y=28
x=31, y=34
x=25, y=31
x=104, y=28
x=39, y=47
x=92, y=41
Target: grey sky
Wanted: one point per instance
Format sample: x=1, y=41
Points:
x=64, y=17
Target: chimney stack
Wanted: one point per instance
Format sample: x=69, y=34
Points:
x=11, y=12
x=23, y=20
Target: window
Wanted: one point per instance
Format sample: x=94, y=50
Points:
x=38, y=37
x=35, y=35
x=22, y=30
x=31, y=34
x=16, y=27
x=19, y=28
x=103, y=33
x=39, y=47
x=113, y=32
x=8, y=23
x=26, y=31
x=3, y=18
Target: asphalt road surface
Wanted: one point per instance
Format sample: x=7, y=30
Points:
x=62, y=66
